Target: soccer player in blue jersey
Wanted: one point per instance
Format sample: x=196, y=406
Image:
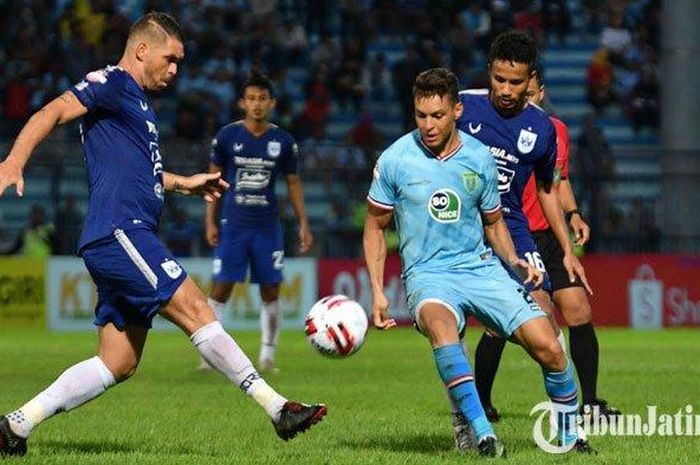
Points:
x=522, y=140
x=251, y=154
x=440, y=187
x=135, y=275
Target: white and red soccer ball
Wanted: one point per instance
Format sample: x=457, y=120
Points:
x=336, y=326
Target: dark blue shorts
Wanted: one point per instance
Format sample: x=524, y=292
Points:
x=526, y=249
x=261, y=248
x=135, y=275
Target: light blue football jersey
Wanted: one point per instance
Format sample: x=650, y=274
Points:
x=437, y=202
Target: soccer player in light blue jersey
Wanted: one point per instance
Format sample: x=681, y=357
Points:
x=440, y=186
x=135, y=275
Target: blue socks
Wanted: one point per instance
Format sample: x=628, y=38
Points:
x=456, y=373
x=561, y=389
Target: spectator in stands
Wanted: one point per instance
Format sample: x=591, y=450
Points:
x=643, y=106
x=377, y=79
x=530, y=20
x=16, y=109
x=181, y=234
x=294, y=42
x=615, y=37
x=595, y=163
x=69, y=224
x=478, y=22
x=556, y=19
x=405, y=72
x=37, y=239
x=599, y=80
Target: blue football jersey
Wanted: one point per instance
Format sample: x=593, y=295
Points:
x=437, y=203
x=520, y=145
x=120, y=146
x=251, y=165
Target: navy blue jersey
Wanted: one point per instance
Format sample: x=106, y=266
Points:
x=120, y=145
x=251, y=165
x=522, y=144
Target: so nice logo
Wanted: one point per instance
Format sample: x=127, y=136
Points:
x=445, y=206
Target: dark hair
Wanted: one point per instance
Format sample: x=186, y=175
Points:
x=257, y=79
x=539, y=76
x=437, y=81
x=516, y=47
x=154, y=22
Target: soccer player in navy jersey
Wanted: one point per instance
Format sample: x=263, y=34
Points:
x=135, y=275
x=522, y=139
x=251, y=154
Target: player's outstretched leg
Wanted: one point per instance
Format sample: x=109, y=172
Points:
x=118, y=356
x=440, y=325
x=188, y=309
x=538, y=338
x=487, y=358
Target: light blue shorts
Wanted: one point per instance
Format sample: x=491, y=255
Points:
x=487, y=293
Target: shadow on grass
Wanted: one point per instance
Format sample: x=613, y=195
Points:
x=114, y=447
x=420, y=443
x=429, y=443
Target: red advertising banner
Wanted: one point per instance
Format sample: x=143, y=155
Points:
x=349, y=277
x=641, y=291
x=644, y=291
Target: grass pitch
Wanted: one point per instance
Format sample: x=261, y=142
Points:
x=386, y=404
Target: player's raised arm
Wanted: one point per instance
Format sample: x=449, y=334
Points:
x=497, y=235
x=58, y=111
x=377, y=221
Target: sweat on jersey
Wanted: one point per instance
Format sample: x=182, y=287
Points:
x=521, y=145
x=437, y=202
x=120, y=146
x=251, y=165
x=531, y=206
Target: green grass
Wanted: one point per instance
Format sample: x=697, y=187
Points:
x=386, y=404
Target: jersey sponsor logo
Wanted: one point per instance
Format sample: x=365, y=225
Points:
x=81, y=86
x=505, y=178
x=252, y=179
x=526, y=140
x=237, y=147
x=274, y=149
x=470, y=181
x=474, y=129
x=445, y=206
x=171, y=268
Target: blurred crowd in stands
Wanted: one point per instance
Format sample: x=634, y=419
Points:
x=624, y=70
x=317, y=53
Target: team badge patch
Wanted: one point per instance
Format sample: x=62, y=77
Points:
x=274, y=149
x=172, y=268
x=445, y=206
x=526, y=141
x=470, y=181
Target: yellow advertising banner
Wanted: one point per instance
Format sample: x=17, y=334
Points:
x=22, y=301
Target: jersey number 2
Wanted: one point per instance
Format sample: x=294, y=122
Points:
x=277, y=259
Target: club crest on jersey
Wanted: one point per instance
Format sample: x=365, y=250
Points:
x=274, y=149
x=445, y=206
x=470, y=180
x=526, y=141
x=172, y=268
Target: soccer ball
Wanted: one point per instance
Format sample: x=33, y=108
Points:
x=336, y=326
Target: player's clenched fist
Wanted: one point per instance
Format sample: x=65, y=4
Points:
x=380, y=312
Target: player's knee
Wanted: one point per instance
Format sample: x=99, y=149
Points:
x=579, y=314
x=269, y=293
x=551, y=356
x=123, y=370
x=221, y=292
